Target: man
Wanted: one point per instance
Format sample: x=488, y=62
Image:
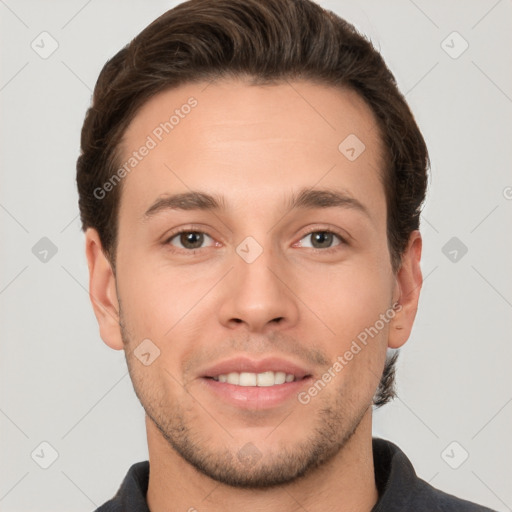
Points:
x=250, y=187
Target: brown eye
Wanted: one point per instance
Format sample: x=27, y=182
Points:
x=188, y=240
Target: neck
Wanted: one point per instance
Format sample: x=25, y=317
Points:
x=346, y=482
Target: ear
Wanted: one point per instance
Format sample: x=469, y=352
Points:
x=407, y=292
x=102, y=291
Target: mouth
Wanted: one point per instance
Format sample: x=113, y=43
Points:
x=253, y=384
x=263, y=379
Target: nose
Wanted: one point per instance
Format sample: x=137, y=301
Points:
x=259, y=295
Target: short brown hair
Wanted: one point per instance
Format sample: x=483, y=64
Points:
x=269, y=41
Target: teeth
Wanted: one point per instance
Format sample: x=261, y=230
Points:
x=280, y=377
x=233, y=378
x=247, y=379
x=264, y=379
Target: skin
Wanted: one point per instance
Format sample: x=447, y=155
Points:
x=256, y=146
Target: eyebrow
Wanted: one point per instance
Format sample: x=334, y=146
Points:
x=307, y=199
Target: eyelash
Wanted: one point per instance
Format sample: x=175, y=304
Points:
x=329, y=250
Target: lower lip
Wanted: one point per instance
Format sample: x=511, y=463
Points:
x=256, y=397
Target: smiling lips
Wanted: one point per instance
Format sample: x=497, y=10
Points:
x=243, y=371
x=253, y=384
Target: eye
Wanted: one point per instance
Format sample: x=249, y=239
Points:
x=322, y=239
x=188, y=240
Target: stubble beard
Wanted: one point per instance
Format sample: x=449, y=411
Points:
x=248, y=466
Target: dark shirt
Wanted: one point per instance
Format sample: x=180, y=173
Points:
x=400, y=490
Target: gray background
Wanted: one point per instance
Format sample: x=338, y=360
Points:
x=60, y=384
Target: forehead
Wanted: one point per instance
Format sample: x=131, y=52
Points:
x=251, y=143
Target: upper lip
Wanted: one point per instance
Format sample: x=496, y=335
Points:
x=244, y=364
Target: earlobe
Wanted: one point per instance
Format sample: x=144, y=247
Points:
x=409, y=280
x=102, y=291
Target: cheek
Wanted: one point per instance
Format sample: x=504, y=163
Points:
x=160, y=301
x=349, y=298
x=354, y=302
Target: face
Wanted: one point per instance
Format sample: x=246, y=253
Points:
x=252, y=257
